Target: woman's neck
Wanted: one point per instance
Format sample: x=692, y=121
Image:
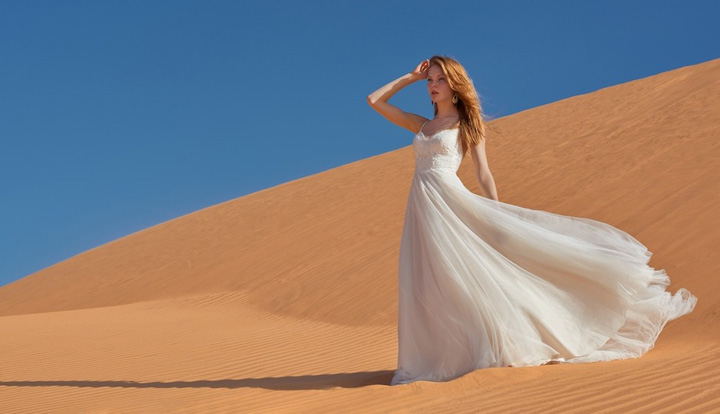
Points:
x=447, y=111
x=447, y=115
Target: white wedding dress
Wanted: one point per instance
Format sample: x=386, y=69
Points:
x=484, y=283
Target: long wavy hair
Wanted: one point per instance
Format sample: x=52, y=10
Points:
x=472, y=120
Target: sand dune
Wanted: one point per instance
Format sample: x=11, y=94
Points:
x=285, y=300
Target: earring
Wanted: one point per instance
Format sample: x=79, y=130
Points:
x=455, y=98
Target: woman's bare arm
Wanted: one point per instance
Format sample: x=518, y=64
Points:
x=378, y=100
x=482, y=171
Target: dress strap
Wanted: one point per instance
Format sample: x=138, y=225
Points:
x=423, y=125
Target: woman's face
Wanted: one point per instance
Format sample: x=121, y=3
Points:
x=437, y=84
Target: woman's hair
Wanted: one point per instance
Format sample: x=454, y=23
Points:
x=472, y=122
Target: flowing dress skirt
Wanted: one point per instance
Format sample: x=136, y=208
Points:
x=483, y=283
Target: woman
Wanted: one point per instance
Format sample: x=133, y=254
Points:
x=484, y=283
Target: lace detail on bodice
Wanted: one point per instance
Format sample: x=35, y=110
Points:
x=441, y=152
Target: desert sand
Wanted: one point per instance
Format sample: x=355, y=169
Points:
x=285, y=300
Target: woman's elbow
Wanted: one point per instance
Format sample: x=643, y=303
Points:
x=484, y=175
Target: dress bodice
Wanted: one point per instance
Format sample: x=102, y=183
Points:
x=441, y=152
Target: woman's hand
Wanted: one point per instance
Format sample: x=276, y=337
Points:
x=421, y=71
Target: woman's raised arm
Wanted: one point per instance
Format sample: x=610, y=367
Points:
x=378, y=100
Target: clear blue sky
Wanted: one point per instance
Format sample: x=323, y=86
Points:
x=119, y=115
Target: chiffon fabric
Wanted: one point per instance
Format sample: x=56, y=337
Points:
x=483, y=283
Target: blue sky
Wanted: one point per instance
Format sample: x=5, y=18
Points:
x=119, y=115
